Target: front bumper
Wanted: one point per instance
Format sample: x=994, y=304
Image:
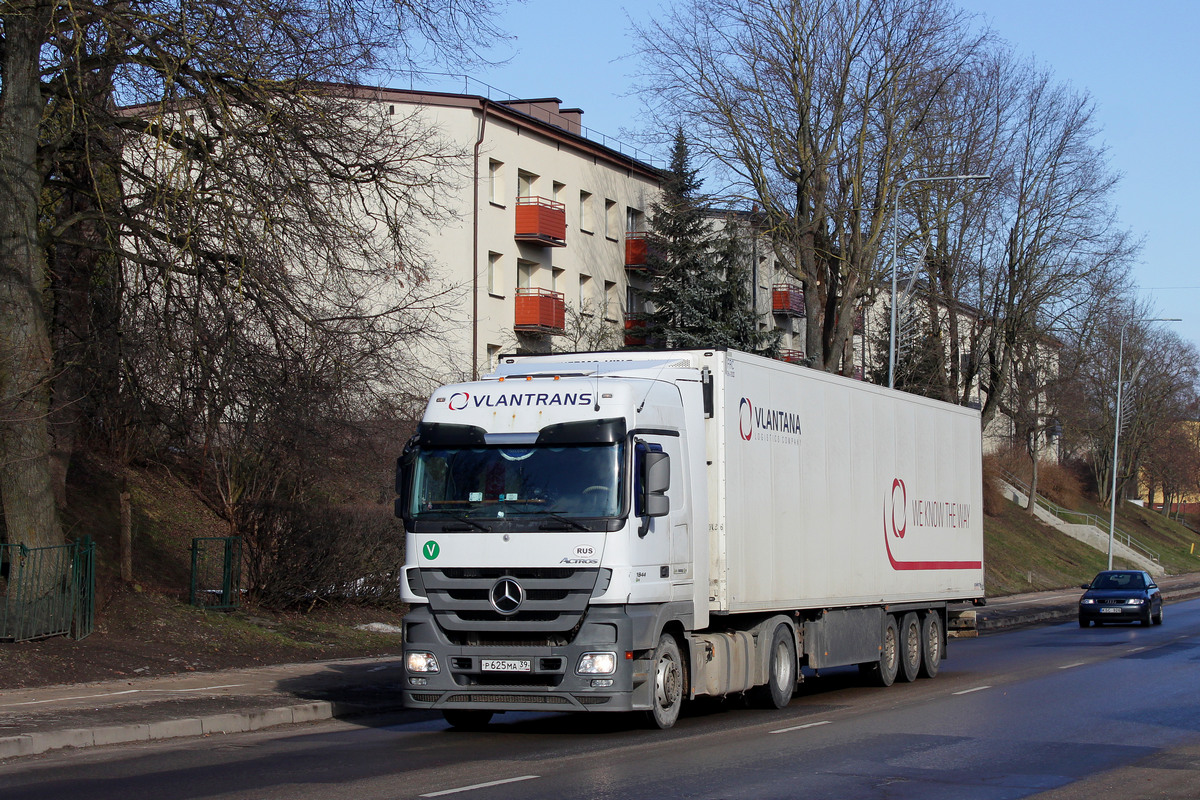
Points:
x=550, y=683
x=1113, y=613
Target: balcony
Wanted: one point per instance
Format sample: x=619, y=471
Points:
x=540, y=311
x=792, y=356
x=787, y=299
x=541, y=221
x=635, y=250
x=635, y=330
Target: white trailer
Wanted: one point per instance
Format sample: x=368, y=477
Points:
x=623, y=531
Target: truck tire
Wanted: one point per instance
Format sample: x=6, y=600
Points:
x=669, y=677
x=467, y=719
x=781, y=671
x=910, y=647
x=884, y=670
x=932, y=641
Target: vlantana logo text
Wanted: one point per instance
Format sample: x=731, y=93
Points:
x=767, y=424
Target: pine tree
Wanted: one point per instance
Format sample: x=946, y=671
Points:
x=700, y=294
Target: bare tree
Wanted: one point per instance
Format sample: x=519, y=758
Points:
x=187, y=140
x=810, y=110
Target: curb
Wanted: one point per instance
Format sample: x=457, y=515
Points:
x=34, y=743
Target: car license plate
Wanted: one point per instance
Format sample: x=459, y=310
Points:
x=507, y=665
x=1110, y=611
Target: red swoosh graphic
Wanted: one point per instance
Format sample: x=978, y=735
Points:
x=904, y=565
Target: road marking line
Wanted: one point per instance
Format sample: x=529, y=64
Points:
x=198, y=688
x=802, y=727
x=487, y=785
x=1076, y=664
x=976, y=689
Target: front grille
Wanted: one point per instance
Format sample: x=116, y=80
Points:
x=592, y=699
x=507, y=679
x=425, y=698
x=555, y=599
x=544, y=699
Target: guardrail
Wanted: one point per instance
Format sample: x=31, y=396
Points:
x=1081, y=518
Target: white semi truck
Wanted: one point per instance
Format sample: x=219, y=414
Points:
x=625, y=531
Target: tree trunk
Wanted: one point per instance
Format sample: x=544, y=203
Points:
x=30, y=513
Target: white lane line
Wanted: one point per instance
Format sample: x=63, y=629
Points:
x=487, y=785
x=1070, y=666
x=802, y=727
x=976, y=689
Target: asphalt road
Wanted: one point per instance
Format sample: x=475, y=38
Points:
x=1054, y=709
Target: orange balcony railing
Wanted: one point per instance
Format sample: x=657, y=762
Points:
x=792, y=356
x=540, y=311
x=635, y=330
x=541, y=221
x=787, y=299
x=635, y=250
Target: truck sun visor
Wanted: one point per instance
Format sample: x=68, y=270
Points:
x=445, y=434
x=592, y=431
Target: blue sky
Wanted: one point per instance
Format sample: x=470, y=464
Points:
x=1137, y=60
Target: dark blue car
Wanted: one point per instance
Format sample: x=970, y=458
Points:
x=1121, y=595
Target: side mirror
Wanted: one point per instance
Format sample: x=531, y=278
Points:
x=1085, y=586
x=655, y=479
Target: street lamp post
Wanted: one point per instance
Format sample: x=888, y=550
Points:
x=895, y=238
x=1112, y=512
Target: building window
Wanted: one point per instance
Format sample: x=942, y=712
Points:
x=493, y=356
x=557, y=189
x=585, y=212
x=612, y=303
x=526, y=184
x=610, y=222
x=496, y=182
x=556, y=279
x=585, y=291
x=635, y=220
x=526, y=272
x=493, y=274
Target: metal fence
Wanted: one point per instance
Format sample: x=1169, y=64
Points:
x=216, y=572
x=47, y=591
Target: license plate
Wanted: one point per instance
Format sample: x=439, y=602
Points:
x=506, y=665
x=1110, y=611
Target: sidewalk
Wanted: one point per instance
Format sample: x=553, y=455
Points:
x=200, y=704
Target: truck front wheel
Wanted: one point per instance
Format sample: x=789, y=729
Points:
x=781, y=673
x=669, y=676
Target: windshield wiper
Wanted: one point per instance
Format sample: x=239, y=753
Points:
x=466, y=521
x=564, y=520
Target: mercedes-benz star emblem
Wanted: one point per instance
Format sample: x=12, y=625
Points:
x=506, y=596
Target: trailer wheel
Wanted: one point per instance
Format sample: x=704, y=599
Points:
x=667, y=697
x=781, y=674
x=931, y=644
x=467, y=719
x=884, y=670
x=910, y=647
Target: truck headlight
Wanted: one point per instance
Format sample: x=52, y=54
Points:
x=422, y=662
x=597, y=664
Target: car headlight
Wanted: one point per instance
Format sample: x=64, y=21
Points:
x=1135, y=601
x=1087, y=601
x=597, y=664
x=422, y=662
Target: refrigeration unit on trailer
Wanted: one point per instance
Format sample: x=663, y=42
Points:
x=625, y=531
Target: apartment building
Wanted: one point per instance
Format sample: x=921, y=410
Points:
x=548, y=222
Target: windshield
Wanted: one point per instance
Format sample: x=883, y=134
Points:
x=567, y=481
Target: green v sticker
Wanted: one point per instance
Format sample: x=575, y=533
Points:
x=431, y=550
